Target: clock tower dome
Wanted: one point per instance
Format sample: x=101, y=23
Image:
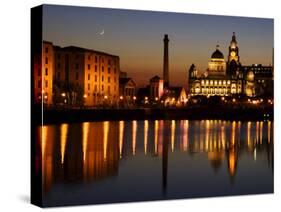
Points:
x=233, y=55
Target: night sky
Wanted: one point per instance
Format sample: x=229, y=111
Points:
x=137, y=37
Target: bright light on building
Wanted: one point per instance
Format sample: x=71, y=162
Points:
x=249, y=100
x=121, y=97
x=156, y=98
x=233, y=100
x=222, y=98
x=146, y=98
x=134, y=97
x=255, y=102
x=63, y=94
x=105, y=97
x=46, y=97
x=85, y=96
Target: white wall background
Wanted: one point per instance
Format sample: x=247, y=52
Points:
x=15, y=95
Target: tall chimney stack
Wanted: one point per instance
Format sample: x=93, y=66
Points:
x=166, y=61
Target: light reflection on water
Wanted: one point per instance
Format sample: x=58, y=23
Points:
x=107, y=155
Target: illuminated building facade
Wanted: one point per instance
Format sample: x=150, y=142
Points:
x=127, y=90
x=230, y=78
x=156, y=87
x=74, y=75
x=175, y=96
x=259, y=80
x=43, y=75
x=93, y=75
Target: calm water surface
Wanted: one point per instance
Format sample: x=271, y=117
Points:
x=117, y=161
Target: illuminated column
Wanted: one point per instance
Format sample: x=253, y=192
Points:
x=166, y=61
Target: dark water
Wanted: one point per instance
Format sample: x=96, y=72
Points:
x=117, y=161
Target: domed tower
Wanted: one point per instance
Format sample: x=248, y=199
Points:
x=233, y=55
x=217, y=65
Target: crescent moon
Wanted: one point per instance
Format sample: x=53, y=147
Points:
x=102, y=32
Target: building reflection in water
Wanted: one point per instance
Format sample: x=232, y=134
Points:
x=85, y=138
x=105, y=138
x=91, y=151
x=121, y=137
x=268, y=131
x=146, y=124
x=249, y=135
x=156, y=126
x=173, y=128
x=184, y=134
x=261, y=129
x=134, y=136
x=63, y=138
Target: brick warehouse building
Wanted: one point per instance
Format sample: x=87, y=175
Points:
x=75, y=76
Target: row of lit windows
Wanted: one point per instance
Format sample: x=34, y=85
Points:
x=215, y=82
x=102, y=88
x=215, y=87
x=215, y=91
x=102, y=60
